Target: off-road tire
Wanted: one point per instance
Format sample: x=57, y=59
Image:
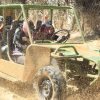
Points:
x=54, y=76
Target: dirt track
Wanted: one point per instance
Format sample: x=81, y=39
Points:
x=89, y=93
x=11, y=91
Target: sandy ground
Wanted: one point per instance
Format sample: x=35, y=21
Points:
x=89, y=93
x=12, y=91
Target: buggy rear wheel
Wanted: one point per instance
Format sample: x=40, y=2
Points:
x=50, y=84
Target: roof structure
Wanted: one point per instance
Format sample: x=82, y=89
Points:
x=34, y=6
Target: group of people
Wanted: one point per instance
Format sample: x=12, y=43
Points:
x=41, y=31
x=19, y=31
x=17, y=37
x=18, y=34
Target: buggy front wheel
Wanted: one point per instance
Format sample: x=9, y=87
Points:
x=50, y=84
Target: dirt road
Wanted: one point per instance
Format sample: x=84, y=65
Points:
x=11, y=91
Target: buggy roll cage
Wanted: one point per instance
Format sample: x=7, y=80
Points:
x=25, y=7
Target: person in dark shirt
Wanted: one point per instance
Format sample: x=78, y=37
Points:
x=20, y=39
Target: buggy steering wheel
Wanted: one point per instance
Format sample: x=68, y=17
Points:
x=61, y=36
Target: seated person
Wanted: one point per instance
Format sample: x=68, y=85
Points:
x=20, y=39
x=38, y=25
x=44, y=31
x=49, y=30
x=25, y=27
x=1, y=27
x=36, y=31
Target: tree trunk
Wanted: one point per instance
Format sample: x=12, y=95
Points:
x=89, y=13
